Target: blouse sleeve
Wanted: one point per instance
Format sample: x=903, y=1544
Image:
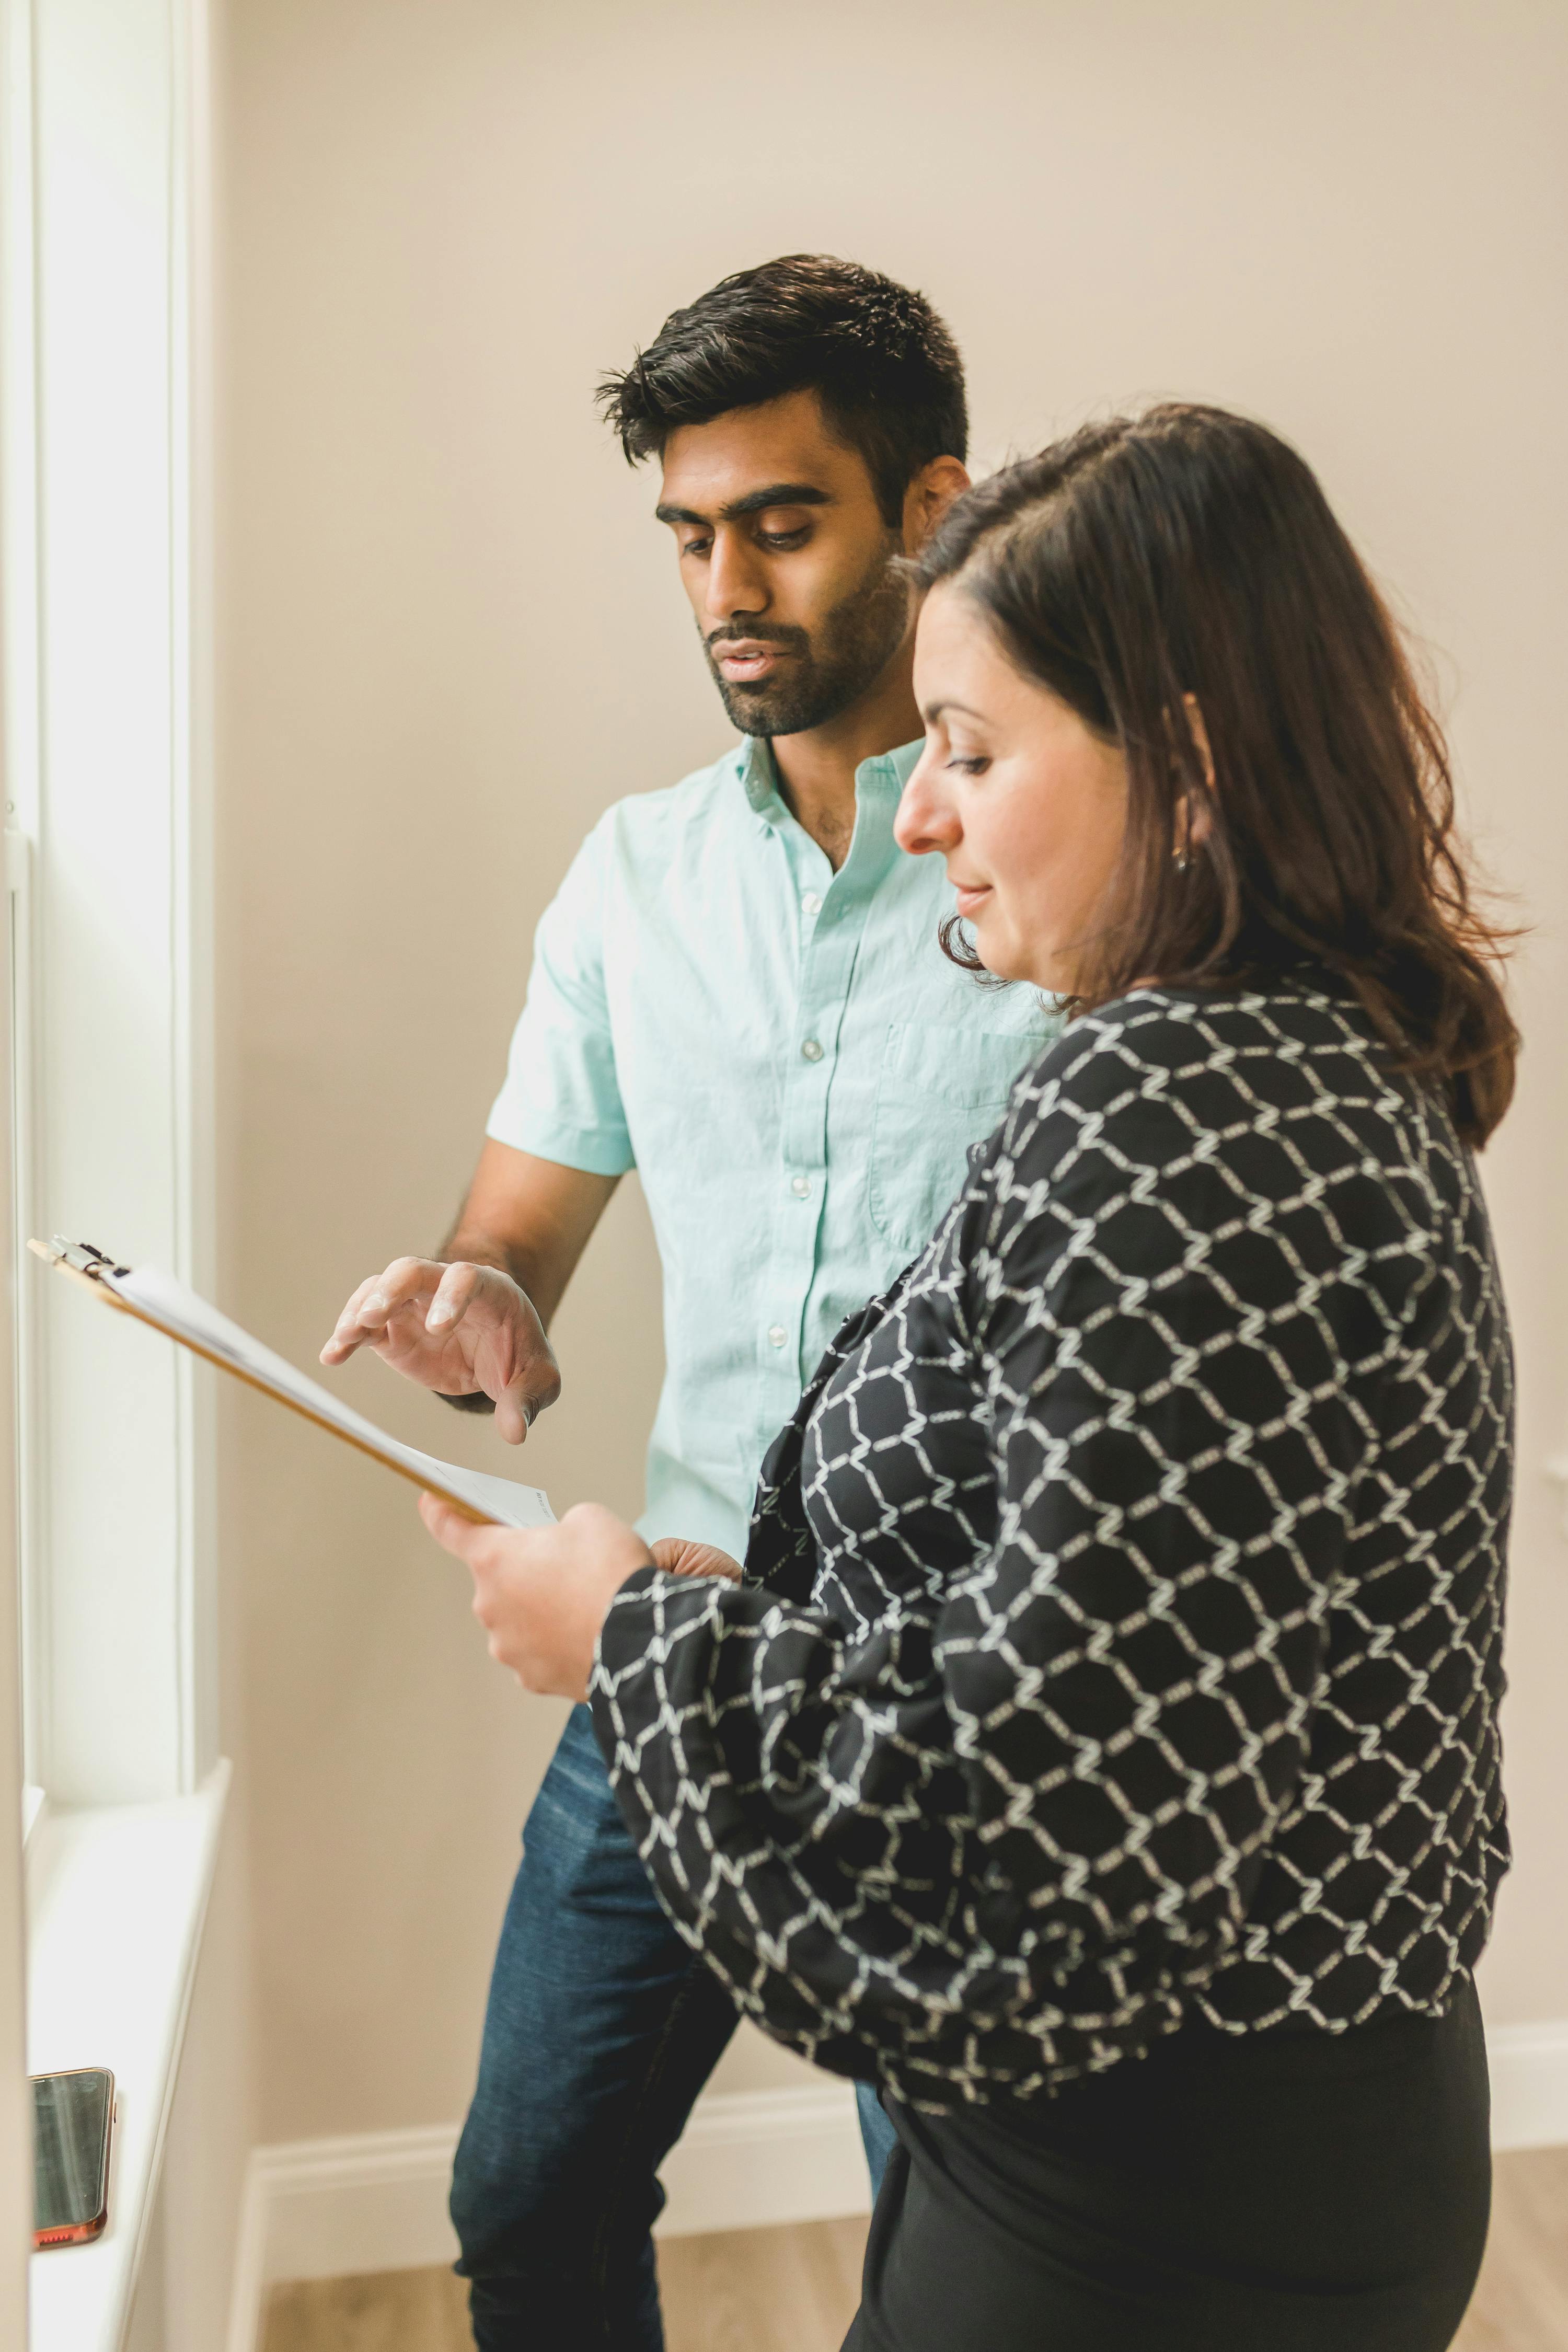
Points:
x=1051, y=1798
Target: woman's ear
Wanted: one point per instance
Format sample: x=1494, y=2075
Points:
x=1194, y=817
x=1200, y=735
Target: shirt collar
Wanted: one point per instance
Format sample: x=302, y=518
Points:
x=883, y=777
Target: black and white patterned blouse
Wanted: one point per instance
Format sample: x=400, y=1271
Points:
x=1121, y=1629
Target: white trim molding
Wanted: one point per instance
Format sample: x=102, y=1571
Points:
x=1557, y=1467
x=749, y=2160
x=337, y=2208
x=104, y=738
x=1530, y=2085
x=117, y=1895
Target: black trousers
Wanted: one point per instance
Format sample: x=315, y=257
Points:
x=1268, y=2192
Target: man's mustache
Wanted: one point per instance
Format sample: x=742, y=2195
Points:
x=792, y=639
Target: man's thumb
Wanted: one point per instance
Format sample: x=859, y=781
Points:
x=513, y=1413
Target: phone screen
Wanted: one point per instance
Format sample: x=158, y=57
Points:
x=71, y=2146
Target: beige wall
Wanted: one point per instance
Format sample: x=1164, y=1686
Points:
x=451, y=634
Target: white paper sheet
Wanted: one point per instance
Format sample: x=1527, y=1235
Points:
x=185, y=1317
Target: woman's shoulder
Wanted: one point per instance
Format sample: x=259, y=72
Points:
x=1161, y=1077
x=1186, y=1126
x=1161, y=1040
x=1170, y=1029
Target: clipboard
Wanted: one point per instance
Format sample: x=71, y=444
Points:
x=167, y=1306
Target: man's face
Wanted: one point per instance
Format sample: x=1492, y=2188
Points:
x=785, y=556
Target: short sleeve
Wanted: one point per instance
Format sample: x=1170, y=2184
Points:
x=561, y=1099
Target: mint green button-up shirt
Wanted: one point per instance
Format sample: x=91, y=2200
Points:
x=791, y=1063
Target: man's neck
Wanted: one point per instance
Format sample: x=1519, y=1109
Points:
x=816, y=770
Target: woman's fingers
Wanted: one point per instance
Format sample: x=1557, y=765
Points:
x=453, y=1530
x=678, y=1555
x=541, y=1592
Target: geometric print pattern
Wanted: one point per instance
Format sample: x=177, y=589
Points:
x=1121, y=1629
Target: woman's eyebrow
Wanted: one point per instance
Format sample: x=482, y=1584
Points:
x=933, y=712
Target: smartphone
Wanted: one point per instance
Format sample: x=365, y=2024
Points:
x=73, y=2117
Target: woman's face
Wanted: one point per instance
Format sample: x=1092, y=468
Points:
x=1027, y=806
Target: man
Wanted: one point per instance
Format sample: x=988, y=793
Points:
x=739, y=990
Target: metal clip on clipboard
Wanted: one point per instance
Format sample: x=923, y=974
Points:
x=81, y=1257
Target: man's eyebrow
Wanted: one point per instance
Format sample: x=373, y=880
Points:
x=773, y=493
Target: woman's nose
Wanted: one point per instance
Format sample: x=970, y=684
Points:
x=926, y=820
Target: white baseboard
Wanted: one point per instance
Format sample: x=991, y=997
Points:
x=1530, y=2085
x=752, y=2159
x=330, y=2207
x=334, y=2208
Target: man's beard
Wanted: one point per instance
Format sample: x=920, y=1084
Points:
x=828, y=668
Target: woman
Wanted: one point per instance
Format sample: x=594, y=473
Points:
x=1101, y=1752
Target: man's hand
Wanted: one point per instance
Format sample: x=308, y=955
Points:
x=461, y=1329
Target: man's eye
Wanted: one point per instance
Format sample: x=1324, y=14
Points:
x=781, y=541
x=695, y=546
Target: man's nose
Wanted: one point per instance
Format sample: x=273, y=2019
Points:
x=735, y=583
x=926, y=819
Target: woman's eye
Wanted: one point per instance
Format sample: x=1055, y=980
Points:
x=975, y=766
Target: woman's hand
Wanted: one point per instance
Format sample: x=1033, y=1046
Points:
x=678, y=1556
x=541, y=1593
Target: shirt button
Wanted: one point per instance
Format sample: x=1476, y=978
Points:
x=812, y=1050
x=777, y=1335
x=811, y=903
x=800, y=1186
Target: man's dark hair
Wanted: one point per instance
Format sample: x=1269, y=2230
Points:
x=884, y=366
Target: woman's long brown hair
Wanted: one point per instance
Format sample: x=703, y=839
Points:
x=1191, y=552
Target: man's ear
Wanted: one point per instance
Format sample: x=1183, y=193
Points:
x=928, y=499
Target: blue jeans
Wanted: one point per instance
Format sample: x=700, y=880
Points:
x=602, y=2028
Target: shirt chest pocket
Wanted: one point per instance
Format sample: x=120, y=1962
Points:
x=940, y=1089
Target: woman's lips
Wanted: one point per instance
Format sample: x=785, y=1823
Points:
x=971, y=897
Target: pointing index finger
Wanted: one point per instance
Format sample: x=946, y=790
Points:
x=347, y=1335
